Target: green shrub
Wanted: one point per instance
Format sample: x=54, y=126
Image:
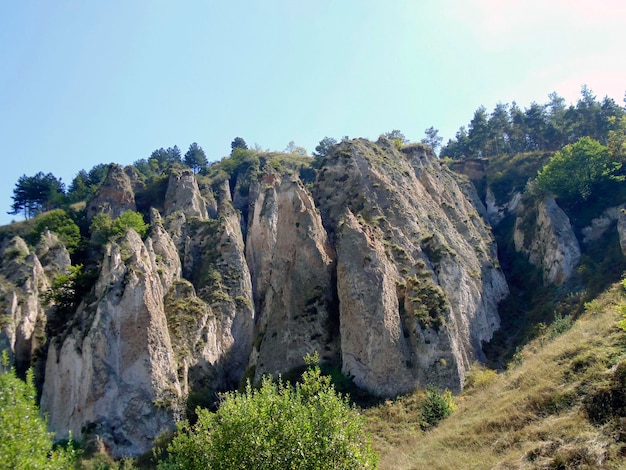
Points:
x=25, y=443
x=276, y=427
x=560, y=325
x=479, y=376
x=59, y=222
x=103, y=227
x=437, y=405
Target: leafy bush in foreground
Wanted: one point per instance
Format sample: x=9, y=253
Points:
x=277, y=426
x=25, y=443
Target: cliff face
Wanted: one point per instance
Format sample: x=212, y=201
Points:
x=545, y=234
x=417, y=284
x=114, y=373
x=383, y=265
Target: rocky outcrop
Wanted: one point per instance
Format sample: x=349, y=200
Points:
x=384, y=266
x=291, y=264
x=23, y=280
x=621, y=229
x=601, y=224
x=115, y=375
x=184, y=195
x=496, y=213
x=416, y=280
x=115, y=196
x=544, y=233
x=52, y=254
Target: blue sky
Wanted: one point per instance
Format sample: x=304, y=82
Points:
x=88, y=82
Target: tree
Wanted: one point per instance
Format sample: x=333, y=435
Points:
x=238, y=143
x=276, y=427
x=324, y=147
x=436, y=407
x=295, y=149
x=432, y=138
x=36, y=194
x=478, y=133
x=573, y=173
x=59, y=222
x=103, y=227
x=499, y=129
x=195, y=158
x=535, y=121
x=25, y=443
x=160, y=161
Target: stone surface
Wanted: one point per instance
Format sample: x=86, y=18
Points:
x=116, y=376
x=431, y=272
x=384, y=265
x=545, y=234
x=183, y=194
x=291, y=264
x=22, y=316
x=115, y=196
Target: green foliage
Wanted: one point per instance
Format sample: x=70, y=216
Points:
x=324, y=147
x=84, y=184
x=437, y=406
x=195, y=158
x=238, y=143
x=277, y=426
x=479, y=377
x=576, y=171
x=560, y=325
x=35, y=194
x=540, y=127
x=63, y=290
x=103, y=227
x=396, y=137
x=25, y=442
x=295, y=149
x=59, y=222
x=160, y=161
x=432, y=138
x=239, y=161
x=622, y=308
x=66, y=293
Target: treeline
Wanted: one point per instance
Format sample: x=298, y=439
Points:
x=40, y=193
x=540, y=127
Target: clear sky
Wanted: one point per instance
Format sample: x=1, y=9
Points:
x=88, y=82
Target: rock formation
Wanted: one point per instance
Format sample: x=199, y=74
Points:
x=384, y=265
x=544, y=233
x=115, y=195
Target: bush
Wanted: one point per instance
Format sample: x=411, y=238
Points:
x=25, y=443
x=59, y=222
x=103, y=227
x=479, y=376
x=276, y=427
x=578, y=170
x=436, y=406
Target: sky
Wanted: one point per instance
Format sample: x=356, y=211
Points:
x=90, y=82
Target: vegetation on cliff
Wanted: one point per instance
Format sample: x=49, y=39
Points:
x=391, y=210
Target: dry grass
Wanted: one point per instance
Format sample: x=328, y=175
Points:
x=532, y=416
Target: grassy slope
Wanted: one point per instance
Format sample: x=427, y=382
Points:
x=535, y=415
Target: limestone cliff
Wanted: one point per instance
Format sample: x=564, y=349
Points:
x=291, y=263
x=544, y=233
x=115, y=195
x=417, y=284
x=114, y=373
x=23, y=314
x=382, y=262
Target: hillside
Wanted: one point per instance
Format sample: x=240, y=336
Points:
x=560, y=404
x=147, y=290
x=180, y=286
